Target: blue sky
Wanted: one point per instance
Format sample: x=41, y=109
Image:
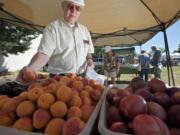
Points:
x=173, y=34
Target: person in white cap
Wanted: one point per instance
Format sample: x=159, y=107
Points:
x=66, y=45
x=110, y=65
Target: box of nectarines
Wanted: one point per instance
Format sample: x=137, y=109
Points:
x=142, y=108
x=67, y=105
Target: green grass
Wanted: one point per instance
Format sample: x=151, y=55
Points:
x=164, y=76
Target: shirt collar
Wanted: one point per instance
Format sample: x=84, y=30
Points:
x=68, y=24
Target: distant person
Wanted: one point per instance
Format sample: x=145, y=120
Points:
x=110, y=65
x=144, y=62
x=156, y=62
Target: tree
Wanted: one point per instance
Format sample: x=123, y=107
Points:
x=162, y=49
x=178, y=50
x=14, y=39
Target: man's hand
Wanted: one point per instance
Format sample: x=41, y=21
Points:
x=26, y=75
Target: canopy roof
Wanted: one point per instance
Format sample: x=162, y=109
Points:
x=111, y=22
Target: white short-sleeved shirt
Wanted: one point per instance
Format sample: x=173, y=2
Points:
x=66, y=47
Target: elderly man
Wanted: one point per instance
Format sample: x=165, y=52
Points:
x=156, y=62
x=66, y=45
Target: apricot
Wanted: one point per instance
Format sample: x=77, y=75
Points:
x=99, y=87
x=71, y=75
x=50, y=86
x=3, y=96
x=78, y=78
x=72, y=126
x=12, y=104
x=65, y=79
x=84, y=93
x=54, y=126
x=95, y=95
x=75, y=92
x=86, y=110
x=24, y=94
x=3, y=101
x=24, y=123
x=64, y=93
x=88, y=88
x=86, y=100
x=91, y=83
x=40, y=118
x=60, y=83
x=58, y=109
x=46, y=100
x=7, y=119
x=75, y=101
x=35, y=93
x=29, y=75
x=25, y=108
x=74, y=111
x=78, y=85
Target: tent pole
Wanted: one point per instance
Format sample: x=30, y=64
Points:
x=168, y=54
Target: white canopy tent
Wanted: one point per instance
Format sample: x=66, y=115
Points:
x=111, y=22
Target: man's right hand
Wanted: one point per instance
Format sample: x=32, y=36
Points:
x=25, y=77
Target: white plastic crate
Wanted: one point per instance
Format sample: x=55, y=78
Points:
x=86, y=131
x=102, y=119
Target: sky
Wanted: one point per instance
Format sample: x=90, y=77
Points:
x=173, y=35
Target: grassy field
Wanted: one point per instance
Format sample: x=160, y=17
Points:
x=164, y=76
x=123, y=78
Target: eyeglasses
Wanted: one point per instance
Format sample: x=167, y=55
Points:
x=72, y=7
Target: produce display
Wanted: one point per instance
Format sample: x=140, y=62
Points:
x=57, y=105
x=142, y=109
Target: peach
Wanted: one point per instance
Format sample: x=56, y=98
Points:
x=74, y=111
x=40, y=118
x=64, y=93
x=35, y=93
x=46, y=100
x=86, y=110
x=24, y=123
x=72, y=126
x=25, y=108
x=75, y=101
x=58, y=109
x=54, y=126
x=29, y=75
x=133, y=105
